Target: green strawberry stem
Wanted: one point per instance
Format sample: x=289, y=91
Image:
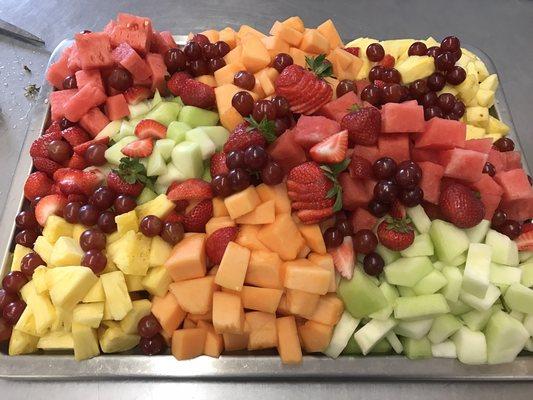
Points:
x=332, y=171
x=319, y=66
x=266, y=127
x=131, y=171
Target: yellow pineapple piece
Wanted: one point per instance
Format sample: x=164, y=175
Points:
x=160, y=207
x=41, y=307
x=22, y=343
x=114, y=340
x=44, y=248
x=69, y=285
x=113, y=237
x=131, y=253
x=127, y=222
x=497, y=126
x=89, y=314
x=141, y=308
x=416, y=67
x=66, y=251
x=134, y=282
x=18, y=253
x=77, y=230
x=477, y=116
x=118, y=300
x=39, y=279
x=157, y=280
x=85, y=342
x=475, y=132
x=26, y=323
x=63, y=320
x=56, y=227
x=110, y=266
x=57, y=340
x=96, y=293
x=159, y=251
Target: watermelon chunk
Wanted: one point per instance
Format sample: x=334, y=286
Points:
x=491, y=203
x=370, y=153
x=355, y=192
x=133, y=30
x=402, y=117
x=394, y=145
x=158, y=70
x=362, y=219
x=162, y=42
x=442, y=134
x=116, y=107
x=497, y=159
x=89, y=77
x=94, y=121
x=310, y=130
x=73, y=62
x=424, y=155
x=431, y=178
x=169, y=39
x=287, y=152
x=512, y=160
x=126, y=56
x=520, y=209
x=490, y=194
x=481, y=145
x=338, y=108
x=94, y=50
x=514, y=183
x=465, y=165
x=58, y=71
x=86, y=98
x=58, y=99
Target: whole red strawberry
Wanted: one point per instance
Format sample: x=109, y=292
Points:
x=129, y=179
x=197, y=94
x=216, y=243
x=243, y=137
x=38, y=184
x=176, y=82
x=396, y=234
x=218, y=164
x=121, y=186
x=460, y=205
x=82, y=148
x=75, y=135
x=46, y=165
x=363, y=125
x=196, y=219
x=191, y=189
x=74, y=181
x=54, y=127
x=39, y=147
x=360, y=168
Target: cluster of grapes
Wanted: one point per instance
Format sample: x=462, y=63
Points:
x=199, y=56
x=11, y=305
x=152, y=342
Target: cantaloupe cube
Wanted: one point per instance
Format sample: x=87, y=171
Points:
x=295, y=23
x=278, y=193
x=325, y=261
x=208, y=316
x=168, y=312
x=262, y=329
x=209, y=80
x=327, y=28
x=219, y=208
x=247, y=237
x=314, y=42
x=246, y=30
x=228, y=314
x=188, y=343
x=264, y=270
x=226, y=74
x=194, y=296
x=254, y=55
x=328, y=310
x=301, y=303
x=232, y=268
x=342, y=56
x=242, y=202
x=282, y=236
x=283, y=307
x=288, y=34
x=288, y=343
x=275, y=45
x=298, y=56
x=355, y=68
x=304, y=251
x=224, y=94
x=315, y=336
x=214, y=343
x=234, y=342
x=258, y=90
x=231, y=118
x=188, y=323
x=313, y=237
x=216, y=223
x=213, y=271
x=266, y=83
x=272, y=73
x=229, y=36
x=212, y=35
x=234, y=56
x=261, y=299
x=188, y=260
x=302, y=274
x=264, y=213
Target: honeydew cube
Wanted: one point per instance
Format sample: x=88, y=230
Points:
x=56, y=227
x=388, y=255
x=407, y=271
x=118, y=301
x=194, y=116
x=187, y=158
x=199, y=136
x=361, y=296
x=478, y=233
x=443, y=327
x=371, y=333
x=22, y=343
x=519, y=298
x=395, y=343
x=475, y=132
x=147, y=194
x=422, y=246
x=218, y=135
x=431, y=283
x=496, y=126
x=438, y=265
x=139, y=109
x=505, y=338
x=341, y=335
x=519, y=316
x=89, y=314
x=85, y=342
x=114, y=153
x=504, y=275
x=416, y=349
x=458, y=307
x=504, y=250
x=477, y=320
x=66, y=251
x=449, y=241
x=471, y=346
x=69, y=285
x=19, y=252
x=420, y=307
x=477, y=116
x=458, y=261
x=156, y=165
x=391, y=294
x=416, y=67
x=56, y=341
x=492, y=294
x=528, y=323
x=115, y=340
x=527, y=274
x=164, y=112
x=477, y=269
x=140, y=309
x=445, y=349
x=176, y=131
x=406, y=291
x=414, y=329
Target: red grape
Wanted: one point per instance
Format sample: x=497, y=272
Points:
x=498, y=218
x=504, y=144
x=70, y=82
x=6, y=298
x=373, y=264
x=175, y=60
x=59, y=151
x=445, y=61
x=92, y=239
x=456, y=75
x=384, y=168
x=332, y=237
x=26, y=237
x=235, y=159
x=255, y=157
x=364, y=241
x=223, y=48
x=198, y=67
x=417, y=49
x=434, y=51
x=239, y=179
x=378, y=209
x=280, y=126
x=120, y=79
x=376, y=73
x=391, y=75
x=65, y=123
x=459, y=108
x=264, y=109
x=95, y=260
x=392, y=93
x=151, y=226
x=344, y=227
x=152, y=346
x=272, y=173
x=199, y=38
x=71, y=212
x=411, y=197
x=124, y=204
x=385, y=191
x=88, y=215
x=192, y=50
x=148, y=326
x=244, y=80
x=432, y=112
x=220, y=186
x=215, y=64
x=345, y=86
x=13, y=311
x=436, y=81
x=418, y=88
x=488, y=168
x=210, y=51
x=102, y=198
x=372, y=94
x=450, y=43
x=95, y=154
x=26, y=220
x=106, y=222
x=446, y=102
x=375, y=52
x=282, y=61
x=243, y=102
x=29, y=263
x=5, y=330
x=172, y=232
x=282, y=106
x=510, y=228
x=408, y=174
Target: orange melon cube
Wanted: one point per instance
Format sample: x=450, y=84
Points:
x=228, y=314
x=328, y=310
x=294, y=23
x=290, y=35
x=315, y=336
x=288, y=342
x=254, y=56
x=247, y=237
x=216, y=223
x=314, y=42
x=275, y=45
x=213, y=271
x=264, y=213
x=214, y=343
x=212, y=35
x=355, y=67
x=325, y=261
x=313, y=237
x=258, y=90
x=283, y=307
x=219, y=208
x=242, y=202
x=264, y=270
x=194, y=296
x=304, y=251
x=261, y=327
x=234, y=56
x=232, y=268
x=235, y=292
x=245, y=31
x=208, y=316
x=188, y=343
x=234, y=342
x=298, y=56
x=231, y=118
x=229, y=36
x=275, y=27
x=260, y=299
x=278, y=193
x=282, y=236
x=187, y=259
x=301, y=303
x=227, y=73
x=167, y=336
x=272, y=73
x=328, y=30
x=343, y=57
x=188, y=323
x=208, y=80
x=302, y=274
x=266, y=83
x=224, y=94
x=168, y=312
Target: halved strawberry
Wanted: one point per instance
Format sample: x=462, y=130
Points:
x=196, y=218
x=54, y=127
x=197, y=94
x=360, y=168
x=39, y=147
x=173, y=216
x=74, y=181
x=308, y=196
x=525, y=241
x=191, y=189
x=218, y=164
x=313, y=205
x=148, y=128
x=136, y=94
x=176, y=82
x=77, y=162
x=139, y=149
x=75, y=135
x=344, y=257
x=82, y=148
x=314, y=216
x=46, y=165
x=331, y=150
x=38, y=184
x=48, y=205
x=216, y=243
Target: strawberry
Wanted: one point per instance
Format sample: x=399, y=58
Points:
x=363, y=125
x=173, y=216
x=360, y=168
x=241, y=138
x=308, y=172
x=191, y=189
x=120, y=186
x=353, y=50
x=75, y=135
x=197, y=94
x=396, y=234
x=181, y=205
x=313, y=205
x=527, y=227
x=129, y=179
x=54, y=127
x=314, y=216
x=136, y=94
x=525, y=240
x=330, y=150
x=148, y=128
x=432, y=210
x=74, y=181
x=48, y=205
x=139, y=149
x=82, y=148
x=460, y=205
x=196, y=218
x=38, y=184
x=398, y=210
x=46, y=165
x=388, y=61
x=218, y=164
x=216, y=243
x=39, y=147
x=344, y=257
x=77, y=162
x=176, y=82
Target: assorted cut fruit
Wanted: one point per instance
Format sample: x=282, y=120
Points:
x=284, y=191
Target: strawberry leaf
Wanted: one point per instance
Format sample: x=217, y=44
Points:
x=339, y=167
x=353, y=108
x=332, y=171
x=131, y=171
x=319, y=65
x=337, y=206
x=265, y=127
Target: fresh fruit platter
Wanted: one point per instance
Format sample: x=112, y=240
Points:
x=239, y=192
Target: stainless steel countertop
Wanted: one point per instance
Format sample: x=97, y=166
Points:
x=502, y=29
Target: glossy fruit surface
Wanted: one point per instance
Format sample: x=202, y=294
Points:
x=243, y=102
x=255, y=157
x=102, y=198
x=92, y=239
x=106, y=222
x=384, y=168
x=385, y=191
x=124, y=204
x=95, y=260
x=375, y=52
x=408, y=174
x=29, y=263
x=264, y=109
x=332, y=237
x=377, y=208
x=417, y=49
x=95, y=154
x=244, y=80
x=88, y=215
x=498, y=218
x=411, y=197
x=235, y=159
x=282, y=61
x=364, y=241
x=504, y=144
x=71, y=212
x=148, y=326
x=59, y=151
x=12, y=311
x=26, y=237
x=172, y=232
x=175, y=60
x=26, y=220
x=456, y=75
x=152, y=346
x=239, y=179
x=151, y=226
x=344, y=87
x=272, y=173
x=120, y=79
x=510, y=228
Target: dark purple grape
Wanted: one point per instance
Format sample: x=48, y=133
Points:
x=106, y=222
x=92, y=239
x=95, y=260
x=282, y=106
x=120, y=79
x=198, y=67
x=239, y=179
x=446, y=102
x=71, y=212
x=65, y=123
x=436, y=81
x=88, y=215
x=70, y=82
x=95, y=154
x=498, y=218
x=445, y=61
x=364, y=241
x=222, y=48
x=151, y=226
x=152, y=346
x=148, y=326
x=215, y=64
x=193, y=50
x=175, y=60
x=378, y=209
x=450, y=43
x=220, y=186
x=418, y=88
x=408, y=174
x=392, y=93
x=272, y=173
x=26, y=237
x=372, y=94
x=13, y=311
x=384, y=168
x=6, y=298
x=345, y=86
x=434, y=51
x=235, y=159
x=456, y=75
x=429, y=99
x=264, y=109
x=280, y=126
x=200, y=39
x=172, y=232
x=375, y=52
x=102, y=198
x=459, y=108
x=344, y=227
x=29, y=263
x=124, y=204
x=26, y=220
x=373, y=264
x=391, y=75
x=282, y=61
x=504, y=144
x=244, y=80
x=411, y=197
x=59, y=151
x=376, y=73
x=243, y=102
x=385, y=191
x=210, y=51
x=457, y=55
x=488, y=168
x=5, y=331
x=417, y=49
x=14, y=281
x=332, y=237
x=432, y=112
x=510, y=228
x=255, y=157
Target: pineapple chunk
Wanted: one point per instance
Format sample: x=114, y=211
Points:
x=63, y=320
x=110, y=266
x=160, y=207
x=115, y=340
x=18, y=253
x=127, y=222
x=66, y=251
x=494, y=136
x=56, y=227
x=22, y=343
x=485, y=98
x=118, y=300
x=44, y=248
x=396, y=47
x=141, y=308
x=157, y=280
x=468, y=88
x=134, y=282
x=159, y=252
x=85, y=342
x=477, y=116
x=77, y=230
x=482, y=70
x=96, y=293
x=89, y=314
x=107, y=314
x=474, y=132
x=416, y=67
x=131, y=253
x=113, y=237
x=39, y=279
x=497, y=126
x=41, y=307
x=26, y=323
x=490, y=83
x=57, y=340
x=69, y=285
x=472, y=70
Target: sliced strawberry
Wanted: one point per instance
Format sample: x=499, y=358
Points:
x=191, y=189
x=39, y=147
x=308, y=196
x=148, y=128
x=331, y=150
x=120, y=186
x=525, y=241
x=136, y=94
x=176, y=82
x=218, y=164
x=196, y=218
x=75, y=135
x=290, y=76
x=314, y=216
x=38, y=184
x=139, y=149
x=308, y=172
x=360, y=168
x=313, y=205
x=54, y=127
x=77, y=162
x=173, y=216
x=216, y=243
x=46, y=165
x=303, y=91
x=344, y=258
x=306, y=191
x=197, y=94
x=527, y=227
x=48, y=205
x=74, y=181
x=82, y=148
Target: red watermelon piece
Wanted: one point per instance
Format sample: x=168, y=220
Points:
x=394, y=145
x=89, y=77
x=338, y=108
x=354, y=192
x=158, y=71
x=481, y=145
x=94, y=121
x=133, y=30
x=491, y=203
x=370, y=153
x=116, y=107
x=169, y=39
x=431, y=178
x=490, y=194
x=73, y=62
x=512, y=160
x=58, y=71
x=424, y=155
x=94, y=50
x=465, y=165
x=497, y=159
x=86, y=98
x=310, y=130
x=514, y=183
x=287, y=152
x=57, y=100
x=362, y=219
x=442, y=134
x=402, y=117
x=520, y=209
x=126, y=56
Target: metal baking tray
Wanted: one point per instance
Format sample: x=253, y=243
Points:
x=237, y=366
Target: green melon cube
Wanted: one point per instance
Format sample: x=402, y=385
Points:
x=493, y=293
x=187, y=157
x=414, y=329
x=114, y=153
x=527, y=274
x=156, y=99
x=126, y=129
x=156, y=165
x=431, y=283
x=146, y=195
x=139, y=109
x=417, y=348
x=478, y=233
x=528, y=323
x=506, y=337
x=449, y=241
x=176, y=131
x=172, y=175
x=504, y=250
x=420, y=307
x=195, y=116
x=207, y=175
x=444, y=350
x=519, y=298
x=443, y=327
x=422, y=246
x=361, y=296
x=371, y=333
x=381, y=347
x=419, y=218
x=406, y=291
x=218, y=134
x=524, y=256
x=477, y=269
x=164, y=113
x=504, y=275
x=391, y=294
x=438, y=265
x=408, y=271
x=458, y=261
x=388, y=255
x=458, y=307
x=164, y=147
x=455, y=280
x=476, y=320
x=198, y=135
x=395, y=343
x=341, y=335
x=471, y=346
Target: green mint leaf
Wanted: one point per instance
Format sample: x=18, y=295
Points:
x=319, y=65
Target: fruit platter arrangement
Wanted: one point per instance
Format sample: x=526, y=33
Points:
x=245, y=191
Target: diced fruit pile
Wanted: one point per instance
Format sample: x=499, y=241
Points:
x=249, y=191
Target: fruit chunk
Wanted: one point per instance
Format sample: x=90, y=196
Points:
x=442, y=134
x=232, y=269
x=131, y=253
x=462, y=164
x=371, y=333
x=313, y=237
x=471, y=346
x=477, y=269
x=66, y=252
x=85, y=342
x=288, y=343
x=262, y=330
x=326, y=262
x=504, y=250
x=168, y=312
x=403, y=117
x=299, y=302
x=194, y=296
x=449, y=241
x=278, y=193
x=328, y=310
x=94, y=50
x=264, y=270
x=188, y=260
x=408, y=271
x=118, y=301
x=519, y=298
x=260, y=299
x=315, y=336
x=264, y=213
x=69, y=285
x=505, y=337
x=282, y=236
x=188, y=343
x=228, y=314
x=242, y=203
x=89, y=314
x=361, y=296
x=342, y=333
x=304, y=275
x=420, y=307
